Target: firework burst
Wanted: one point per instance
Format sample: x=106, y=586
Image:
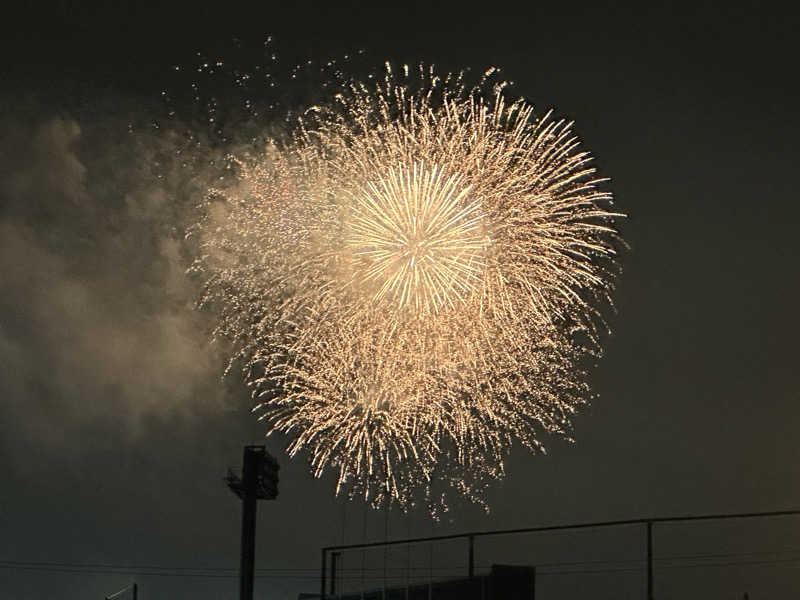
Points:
x=414, y=281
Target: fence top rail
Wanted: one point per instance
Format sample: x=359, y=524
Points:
x=586, y=525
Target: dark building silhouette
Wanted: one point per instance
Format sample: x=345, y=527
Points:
x=503, y=582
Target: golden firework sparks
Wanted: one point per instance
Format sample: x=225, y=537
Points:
x=416, y=237
x=414, y=281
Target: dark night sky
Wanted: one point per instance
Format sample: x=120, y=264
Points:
x=115, y=429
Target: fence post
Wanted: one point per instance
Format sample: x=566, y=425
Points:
x=334, y=556
x=322, y=576
x=650, y=560
x=472, y=557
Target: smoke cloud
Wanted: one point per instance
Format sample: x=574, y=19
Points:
x=96, y=313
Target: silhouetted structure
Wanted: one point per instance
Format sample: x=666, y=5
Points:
x=471, y=537
x=259, y=481
x=134, y=588
x=503, y=582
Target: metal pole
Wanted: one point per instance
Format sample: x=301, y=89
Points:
x=322, y=576
x=334, y=556
x=249, y=504
x=430, y=568
x=135, y=592
x=650, y=560
x=471, y=557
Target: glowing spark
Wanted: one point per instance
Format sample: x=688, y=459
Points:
x=417, y=237
x=414, y=281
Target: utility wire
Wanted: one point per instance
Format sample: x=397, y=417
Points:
x=102, y=567
x=290, y=573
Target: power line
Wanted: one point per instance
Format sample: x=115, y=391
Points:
x=299, y=573
x=272, y=569
x=113, y=566
x=114, y=572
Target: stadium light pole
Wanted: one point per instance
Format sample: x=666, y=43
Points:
x=259, y=481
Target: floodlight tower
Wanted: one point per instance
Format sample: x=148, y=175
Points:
x=259, y=481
